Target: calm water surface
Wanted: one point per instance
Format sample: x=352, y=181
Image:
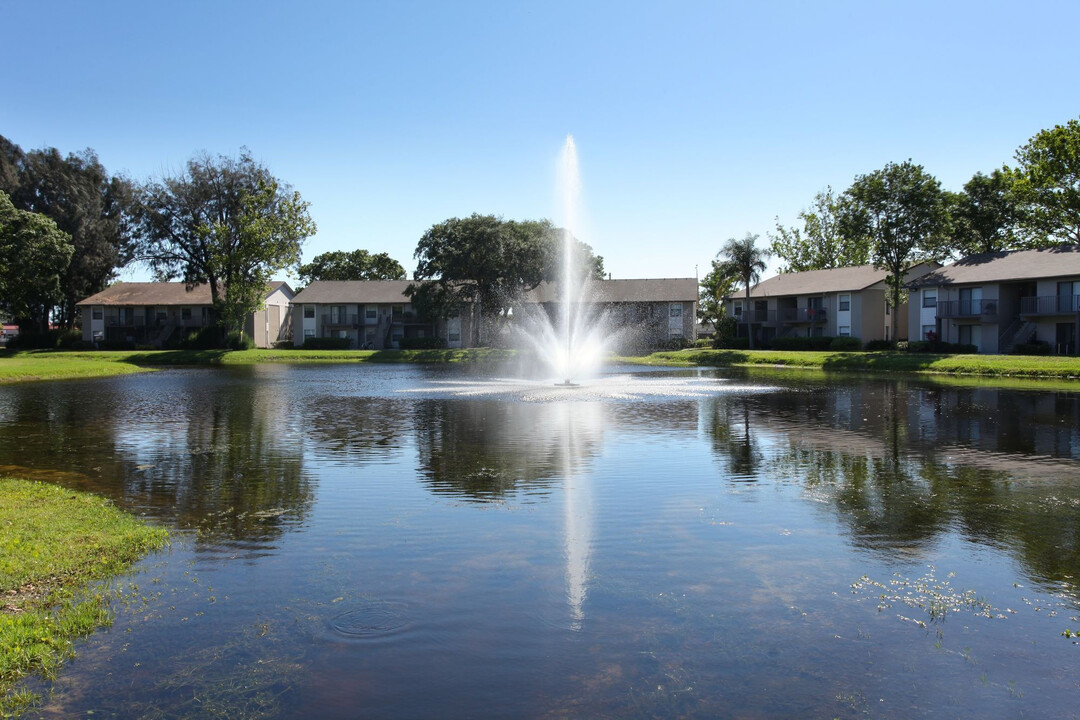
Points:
x=406, y=542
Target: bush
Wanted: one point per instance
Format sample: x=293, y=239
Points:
x=846, y=344
x=238, y=341
x=422, y=343
x=55, y=338
x=703, y=343
x=733, y=343
x=1039, y=347
x=205, y=338
x=877, y=345
x=927, y=346
x=327, y=343
x=802, y=343
x=677, y=344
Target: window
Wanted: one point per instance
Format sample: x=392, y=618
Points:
x=964, y=332
x=309, y=312
x=676, y=311
x=309, y=332
x=454, y=337
x=97, y=313
x=371, y=313
x=888, y=310
x=844, y=331
x=845, y=303
x=738, y=309
x=185, y=313
x=929, y=298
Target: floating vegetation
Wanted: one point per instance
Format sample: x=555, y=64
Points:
x=936, y=598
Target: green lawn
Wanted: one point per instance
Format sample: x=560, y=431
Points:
x=1016, y=366
x=54, y=364
x=54, y=543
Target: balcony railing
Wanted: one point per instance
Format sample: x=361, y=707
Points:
x=982, y=309
x=804, y=315
x=343, y=320
x=756, y=316
x=1050, y=305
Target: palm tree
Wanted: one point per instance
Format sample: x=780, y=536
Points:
x=746, y=262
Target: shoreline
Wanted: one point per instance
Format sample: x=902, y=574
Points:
x=41, y=365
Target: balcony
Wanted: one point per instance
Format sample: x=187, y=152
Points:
x=1050, y=305
x=757, y=317
x=983, y=310
x=342, y=320
x=804, y=315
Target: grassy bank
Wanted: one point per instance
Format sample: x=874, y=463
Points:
x=54, y=543
x=29, y=365
x=55, y=364
x=1016, y=366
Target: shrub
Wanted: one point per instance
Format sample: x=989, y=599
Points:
x=677, y=344
x=55, y=338
x=703, y=343
x=925, y=346
x=875, y=345
x=1039, y=347
x=802, y=343
x=238, y=341
x=846, y=344
x=421, y=343
x=733, y=343
x=726, y=329
x=201, y=339
x=327, y=343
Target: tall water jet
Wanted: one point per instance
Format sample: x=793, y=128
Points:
x=571, y=340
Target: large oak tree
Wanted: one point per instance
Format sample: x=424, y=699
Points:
x=355, y=265
x=900, y=211
x=486, y=263
x=34, y=253
x=225, y=222
x=85, y=202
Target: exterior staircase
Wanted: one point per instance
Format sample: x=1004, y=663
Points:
x=1017, y=333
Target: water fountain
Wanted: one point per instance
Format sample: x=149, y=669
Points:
x=572, y=342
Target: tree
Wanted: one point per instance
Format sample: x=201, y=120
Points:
x=488, y=263
x=78, y=194
x=900, y=211
x=716, y=286
x=819, y=245
x=985, y=216
x=355, y=265
x=1048, y=184
x=743, y=260
x=224, y=222
x=34, y=253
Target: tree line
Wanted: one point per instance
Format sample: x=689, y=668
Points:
x=900, y=215
x=67, y=226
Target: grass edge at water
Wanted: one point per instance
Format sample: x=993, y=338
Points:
x=56, y=547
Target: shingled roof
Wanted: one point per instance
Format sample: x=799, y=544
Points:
x=160, y=293
x=817, y=282
x=354, y=291
x=634, y=290
x=1059, y=261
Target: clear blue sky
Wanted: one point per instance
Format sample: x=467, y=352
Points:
x=694, y=121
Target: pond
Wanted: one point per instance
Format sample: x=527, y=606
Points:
x=406, y=542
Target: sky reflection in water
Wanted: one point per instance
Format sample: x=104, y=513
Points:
x=393, y=542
